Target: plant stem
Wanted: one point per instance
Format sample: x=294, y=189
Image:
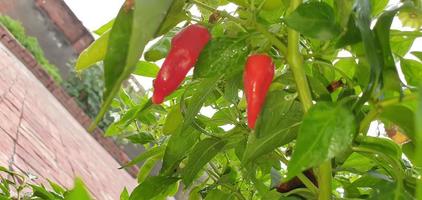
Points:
x=296, y=64
x=324, y=173
x=305, y=180
x=273, y=39
x=295, y=61
x=418, y=142
x=406, y=33
x=373, y=113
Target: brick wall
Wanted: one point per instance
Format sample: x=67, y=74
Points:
x=67, y=22
x=39, y=135
x=61, y=95
x=60, y=33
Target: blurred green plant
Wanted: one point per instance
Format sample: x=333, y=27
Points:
x=32, y=45
x=17, y=186
x=87, y=89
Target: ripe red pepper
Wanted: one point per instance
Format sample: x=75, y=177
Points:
x=185, y=49
x=257, y=79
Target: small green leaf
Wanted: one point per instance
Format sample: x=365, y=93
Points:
x=154, y=151
x=378, y=6
x=277, y=124
x=382, y=28
x=173, y=120
x=41, y=192
x=146, y=69
x=201, y=154
x=327, y=131
x=160, y=49
x=178, y=146
x=153, y=187
x=175, y=15
x=401, y=116
x=372, y=53
x=94, y=53
x=141, y=138
x=358, y=162
x=147, y=167
x=380, y=145
x=314, y=19
x=401, y=44
x=412, y=71
x=79, y=192
x=124, y=195
x=200, y=95
x=219, y=195
x=104, y=28
x=56, y=187
x=418, y=54
x=222, y=56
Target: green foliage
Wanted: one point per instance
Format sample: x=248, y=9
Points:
x=15, y=185
x=31, y=44
x=336, y=73
x=87, y=88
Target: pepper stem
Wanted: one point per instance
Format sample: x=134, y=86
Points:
x=295, y=61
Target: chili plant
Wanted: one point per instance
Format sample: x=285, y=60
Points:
x=336, y=70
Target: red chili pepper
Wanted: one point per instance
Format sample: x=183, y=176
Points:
x=185, y=49
x=257, y=79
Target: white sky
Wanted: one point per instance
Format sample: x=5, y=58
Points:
x=94, y=13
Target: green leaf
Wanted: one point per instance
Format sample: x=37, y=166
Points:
x=173, y=120
x=219, y=195
x=201, y=154
x=133, y=28
x=178, y=146
x=378, y=6
x=371, y=47
x=124, y=195
x=146, y=69
x=141, y=138
x=104, y=28
x=147, y=167
x=175, y=15
x=347, y=66
x=57, y=188
x=277, y=125
x=160, y=49
x=314, y=19
x=41, y=192
x=79, y=192
x=200, y=95
x=412, y=71
x=351, y=36
x=418, y=54
x=358, y=162
x=409, y=150
x=94, y=53
x=154, y=151
x=343, y=9
x=222, y=56
x=401, y=116
x=153, y=187
x=401, y=44
x=327, y=130
x=391, y=78
x=380, y=145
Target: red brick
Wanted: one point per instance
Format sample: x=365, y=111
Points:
x=51, y=143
